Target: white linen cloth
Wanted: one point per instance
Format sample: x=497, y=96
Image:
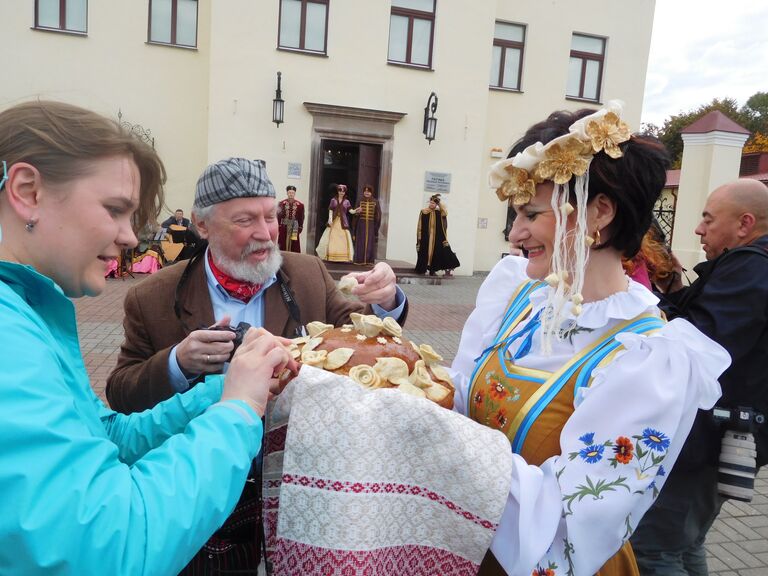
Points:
x=378, y=482
x=576, y=510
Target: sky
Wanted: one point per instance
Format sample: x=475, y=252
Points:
x=705, y=49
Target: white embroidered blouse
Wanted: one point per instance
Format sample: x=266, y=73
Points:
x=576, y=509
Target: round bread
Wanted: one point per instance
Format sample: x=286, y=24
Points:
x=368, y=349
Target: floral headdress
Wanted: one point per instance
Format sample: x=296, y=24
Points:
x=560, y=160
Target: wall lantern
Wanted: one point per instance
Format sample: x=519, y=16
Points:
x=430, y=122
x=278, y=104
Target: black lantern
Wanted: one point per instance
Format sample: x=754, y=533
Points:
x=278, y=104
x=430, y=122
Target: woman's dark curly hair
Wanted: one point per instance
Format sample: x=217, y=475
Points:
x=633, y=181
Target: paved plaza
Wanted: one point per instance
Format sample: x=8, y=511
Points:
x=737, y=544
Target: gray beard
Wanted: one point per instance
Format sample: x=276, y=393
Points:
x=245, y=271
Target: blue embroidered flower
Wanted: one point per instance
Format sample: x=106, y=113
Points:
x=652, y=485
x=661, y=471
x=655, y=440
x=592, y=453
x=588, y=438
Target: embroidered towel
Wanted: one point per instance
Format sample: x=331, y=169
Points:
x=377, y=482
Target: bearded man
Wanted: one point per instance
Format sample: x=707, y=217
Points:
x=241, y=277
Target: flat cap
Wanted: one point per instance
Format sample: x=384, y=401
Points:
x=233, y=178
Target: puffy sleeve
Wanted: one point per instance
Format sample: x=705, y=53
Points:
x=578, y=508
x=483, y=323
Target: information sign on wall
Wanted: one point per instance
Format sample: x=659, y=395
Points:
x=437, y=182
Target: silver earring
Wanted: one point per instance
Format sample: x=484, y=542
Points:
x=30, y=225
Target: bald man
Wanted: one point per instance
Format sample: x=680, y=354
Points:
x=729, y=303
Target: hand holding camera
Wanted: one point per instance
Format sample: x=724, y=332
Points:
x=206, y=350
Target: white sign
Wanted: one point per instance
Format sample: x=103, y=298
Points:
x=294, y=170
x=437, y=182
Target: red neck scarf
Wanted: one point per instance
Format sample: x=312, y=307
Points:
x=236, y=288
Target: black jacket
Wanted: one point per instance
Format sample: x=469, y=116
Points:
x=729, y=303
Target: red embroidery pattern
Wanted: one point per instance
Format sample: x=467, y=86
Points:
x=276, y=440
x=385, y=488
x=297, y=558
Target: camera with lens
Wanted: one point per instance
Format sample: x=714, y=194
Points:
x=737, y=466
x=239, y=332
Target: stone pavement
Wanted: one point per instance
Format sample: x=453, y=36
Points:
x=737, y=543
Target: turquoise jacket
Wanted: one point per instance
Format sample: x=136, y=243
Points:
x=86, y=490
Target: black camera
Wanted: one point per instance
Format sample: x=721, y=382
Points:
x=239, y=333
x=737, y=466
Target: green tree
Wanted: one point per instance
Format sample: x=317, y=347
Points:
x=669, y=133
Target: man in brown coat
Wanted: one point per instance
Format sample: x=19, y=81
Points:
x=241, y=277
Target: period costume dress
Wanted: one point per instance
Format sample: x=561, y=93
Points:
x=336, y=242
x=366, y=230
x=290, y=214
x=595, y=426
x=434, y=251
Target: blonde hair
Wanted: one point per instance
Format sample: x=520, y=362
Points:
x=60, y=140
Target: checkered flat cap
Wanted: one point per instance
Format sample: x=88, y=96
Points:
x=233, y=178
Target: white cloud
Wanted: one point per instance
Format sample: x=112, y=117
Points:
x=702, y=50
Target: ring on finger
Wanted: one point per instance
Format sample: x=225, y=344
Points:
x=207, y=358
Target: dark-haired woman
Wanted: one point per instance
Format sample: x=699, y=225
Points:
x=570, y=359
x=336, y=242
x=88, y=490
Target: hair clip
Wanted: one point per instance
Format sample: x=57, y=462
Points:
x=5, y=175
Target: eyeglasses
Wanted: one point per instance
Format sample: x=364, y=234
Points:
x=5, y=175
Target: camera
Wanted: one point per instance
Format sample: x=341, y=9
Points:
x=737, y=466
x=239, y=332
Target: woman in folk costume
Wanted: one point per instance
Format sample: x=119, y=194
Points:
x=336, y=242
x=570, y=358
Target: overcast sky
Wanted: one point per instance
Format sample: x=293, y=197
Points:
x=705, y=49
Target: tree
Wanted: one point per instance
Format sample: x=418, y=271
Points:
x=669, y=133
x=756, y=108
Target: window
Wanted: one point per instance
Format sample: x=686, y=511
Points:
x=411, y=30
x=304, y=25
x=585, y=69
x=173, y=22
x=69, y=15
x=507, y=58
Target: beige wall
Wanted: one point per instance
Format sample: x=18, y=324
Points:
x=627, y=25
x=164, y=89
x=216, y=101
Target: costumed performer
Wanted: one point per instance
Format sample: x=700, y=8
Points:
x=290, y=214
x=433, y=250
x=94, y=491
x=336, y=242
x=366, y=227
x=570, y=358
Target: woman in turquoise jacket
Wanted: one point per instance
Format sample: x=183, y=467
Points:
x=87, y=490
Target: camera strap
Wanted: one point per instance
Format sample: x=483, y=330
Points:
x=290, y=301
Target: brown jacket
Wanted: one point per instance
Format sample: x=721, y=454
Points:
x=140, y=379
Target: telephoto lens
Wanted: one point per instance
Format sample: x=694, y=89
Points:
x=737, y=467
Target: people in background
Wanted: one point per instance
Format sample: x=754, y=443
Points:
x=177, y=219
x=290, y=213
x=433, y=250
x=729, y=303
x=336, y=242
x=366, y=222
